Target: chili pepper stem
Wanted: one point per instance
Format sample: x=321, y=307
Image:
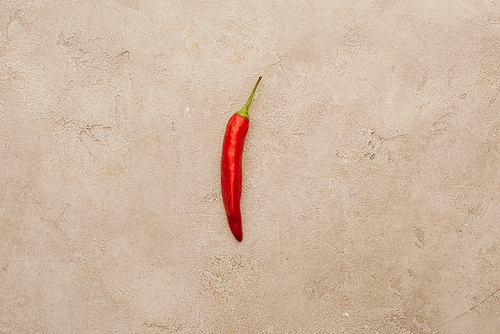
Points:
x=244, y=111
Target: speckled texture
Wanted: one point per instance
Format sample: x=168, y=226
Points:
x=371, y=191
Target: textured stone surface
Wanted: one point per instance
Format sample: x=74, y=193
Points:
x=371, y=199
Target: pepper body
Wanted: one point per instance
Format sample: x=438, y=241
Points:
x=231, y=169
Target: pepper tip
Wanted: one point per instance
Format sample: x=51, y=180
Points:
x=238, y=235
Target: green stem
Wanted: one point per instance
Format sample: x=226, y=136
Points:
x=244, y=111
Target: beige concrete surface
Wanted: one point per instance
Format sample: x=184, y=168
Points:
x=371, y=192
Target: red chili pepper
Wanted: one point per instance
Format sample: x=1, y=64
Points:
x=231, y=172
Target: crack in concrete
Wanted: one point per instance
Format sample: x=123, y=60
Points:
x=472, y=308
